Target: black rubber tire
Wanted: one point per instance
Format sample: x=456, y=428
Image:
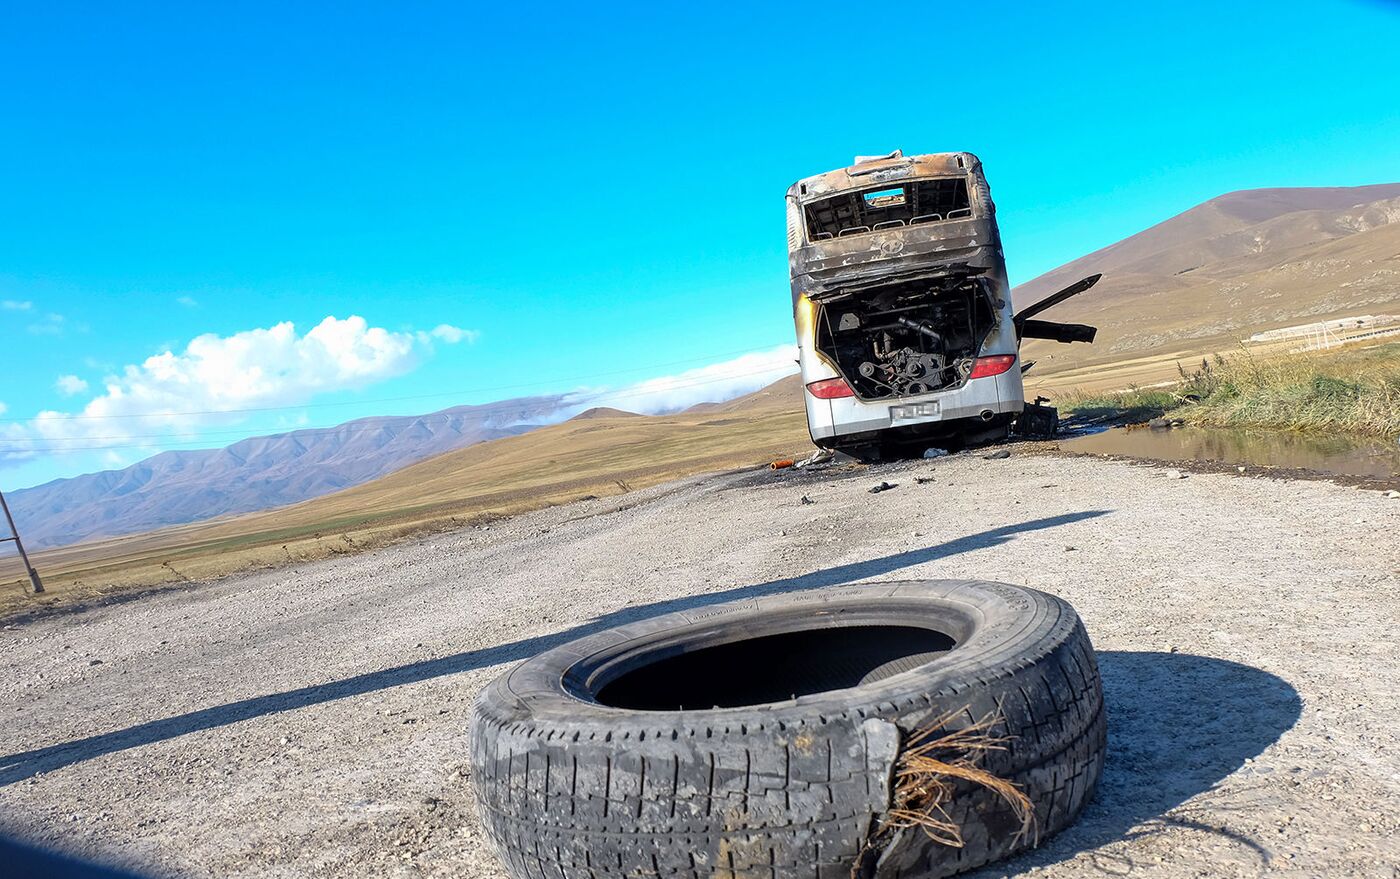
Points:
x=567, y=787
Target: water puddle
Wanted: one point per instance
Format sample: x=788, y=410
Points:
x=1341, y=456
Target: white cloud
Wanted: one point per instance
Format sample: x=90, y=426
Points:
x=179, y=394
x=69, y=385
x=449, y=334
x=15, y=305
x=15, y=443
x=50, y=325
x=706, y=384
x=214, y=376
x=187, y=301
x=3, y=407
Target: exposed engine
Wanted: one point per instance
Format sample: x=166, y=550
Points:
x=907, y=339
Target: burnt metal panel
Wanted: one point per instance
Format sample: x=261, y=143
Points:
x=1056, y=332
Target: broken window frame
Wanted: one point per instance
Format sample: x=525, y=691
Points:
x=858, y=206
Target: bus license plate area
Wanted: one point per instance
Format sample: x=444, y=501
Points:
x=913, y=412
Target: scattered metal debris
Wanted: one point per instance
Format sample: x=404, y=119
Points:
x=1037, y=420
x=884, y=486
x=807, y=500
x=820, y=456
x=781, y=464
x=925, y=480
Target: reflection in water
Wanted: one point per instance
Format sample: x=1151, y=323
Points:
x=1350, y=456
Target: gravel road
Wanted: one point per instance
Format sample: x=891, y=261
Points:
x=311, y=721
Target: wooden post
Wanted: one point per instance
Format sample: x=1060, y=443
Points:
x=23, y=557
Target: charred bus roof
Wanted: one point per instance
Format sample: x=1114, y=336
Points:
x=873, y=170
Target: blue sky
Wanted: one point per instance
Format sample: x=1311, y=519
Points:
x=570, y=197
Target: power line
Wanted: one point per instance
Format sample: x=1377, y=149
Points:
x=172, y=443
x=515, y=387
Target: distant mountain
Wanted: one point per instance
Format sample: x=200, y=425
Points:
x=783, y=395
x=603, y=412
x=1232, y=266
x=188, y=486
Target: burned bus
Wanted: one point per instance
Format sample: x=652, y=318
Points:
x=905, y=328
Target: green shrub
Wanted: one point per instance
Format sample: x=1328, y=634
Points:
x=1353, y=391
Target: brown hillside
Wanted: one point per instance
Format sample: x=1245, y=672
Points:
x=1222, y=229
x=603, y=412
x=1205, y=294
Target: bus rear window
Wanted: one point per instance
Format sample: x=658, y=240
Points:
x=888, y=207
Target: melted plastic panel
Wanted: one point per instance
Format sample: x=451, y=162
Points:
x=888, y=206
x=774, y=668
x=907, y=339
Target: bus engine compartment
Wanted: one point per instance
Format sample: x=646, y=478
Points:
x=908, y=338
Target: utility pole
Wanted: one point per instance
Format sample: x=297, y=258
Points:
x=14, y=535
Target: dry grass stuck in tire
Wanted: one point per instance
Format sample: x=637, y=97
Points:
x=931, y=762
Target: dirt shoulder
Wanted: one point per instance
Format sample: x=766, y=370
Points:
x=310, y=720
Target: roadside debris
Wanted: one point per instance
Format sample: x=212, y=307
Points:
x=998, y=455
x=884, y=486
x=1173, y=474
x=914, y=779
x=807, y=500
x=925, y=480
x=820, y=456
x=1392, y=494
x=935, y=453
x=781, y=464
x=1037, y=420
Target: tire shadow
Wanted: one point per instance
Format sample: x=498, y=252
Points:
x=1177, y=725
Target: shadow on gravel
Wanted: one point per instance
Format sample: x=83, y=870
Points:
x=1177, y=725
x=17, y=767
